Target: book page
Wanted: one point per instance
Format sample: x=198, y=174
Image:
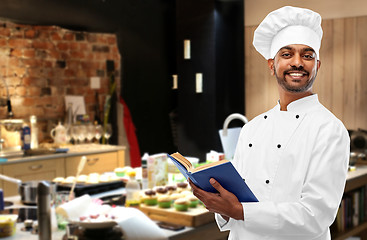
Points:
x=209, y=165
x=186, y=163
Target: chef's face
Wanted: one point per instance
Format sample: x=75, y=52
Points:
x=295, y=68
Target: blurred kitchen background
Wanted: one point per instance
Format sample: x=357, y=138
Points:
x=172, y=71
x=50, y=49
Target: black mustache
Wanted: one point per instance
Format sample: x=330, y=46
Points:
x=294, y=68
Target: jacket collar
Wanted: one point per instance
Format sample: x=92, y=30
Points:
x=302, y=104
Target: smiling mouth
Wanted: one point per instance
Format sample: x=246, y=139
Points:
x=296, y=74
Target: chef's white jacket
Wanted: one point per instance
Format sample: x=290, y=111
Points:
x=295, y=162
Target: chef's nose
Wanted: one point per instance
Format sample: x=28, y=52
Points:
x=297, y=61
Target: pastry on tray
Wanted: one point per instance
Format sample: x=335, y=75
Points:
x=171, y=189
x=182, y=186
x=194, y=201
x=175, y=196
x=58, y=180
x=69, y=180
x=164, y=201
x=150, y=198
x=181, y=204
x=161, y=190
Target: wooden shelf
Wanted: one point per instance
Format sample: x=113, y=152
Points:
x=355, y=180
x=350, y=232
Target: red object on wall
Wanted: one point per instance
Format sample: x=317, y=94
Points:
x=135, y=157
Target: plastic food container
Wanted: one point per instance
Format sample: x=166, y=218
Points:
x=7, y=225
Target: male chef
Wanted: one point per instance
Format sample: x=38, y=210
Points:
x=295, y=156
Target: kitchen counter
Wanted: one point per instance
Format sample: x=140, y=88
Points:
x=207, y=231
x=187, y=233
x=100, y=159
x=74, y=150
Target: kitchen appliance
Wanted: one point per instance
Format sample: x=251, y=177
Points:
x=27, y=190
x=353, y=158
x=358, y=145
x=81, y=188
x=358, y=140
x=229, y=136
x=44, y=210
x=10, y=137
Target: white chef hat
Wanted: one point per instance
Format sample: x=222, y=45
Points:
x=285, y=26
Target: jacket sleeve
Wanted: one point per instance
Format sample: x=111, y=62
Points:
x=320, y=198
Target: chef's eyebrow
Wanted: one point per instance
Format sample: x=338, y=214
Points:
x=286, y=48
x=305, y=49
x=309, y=49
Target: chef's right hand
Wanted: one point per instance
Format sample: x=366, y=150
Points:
x=224, y=202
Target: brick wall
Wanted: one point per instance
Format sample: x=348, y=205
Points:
x=42, y=64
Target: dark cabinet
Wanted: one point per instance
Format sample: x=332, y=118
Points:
x=215, y=30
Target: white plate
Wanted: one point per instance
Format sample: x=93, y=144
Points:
x=96, y=225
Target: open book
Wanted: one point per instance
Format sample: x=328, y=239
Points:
x=222, y=171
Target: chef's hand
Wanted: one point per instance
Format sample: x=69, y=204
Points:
x=224, y=203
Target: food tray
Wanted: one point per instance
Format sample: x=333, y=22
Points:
x=193, y=217
x=87, y=188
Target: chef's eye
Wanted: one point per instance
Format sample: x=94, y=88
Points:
x=286, y=55
x=308, y=56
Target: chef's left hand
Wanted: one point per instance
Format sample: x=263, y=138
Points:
x=224, y=203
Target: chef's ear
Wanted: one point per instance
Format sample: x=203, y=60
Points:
x=318, y=64
x=271, y=66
